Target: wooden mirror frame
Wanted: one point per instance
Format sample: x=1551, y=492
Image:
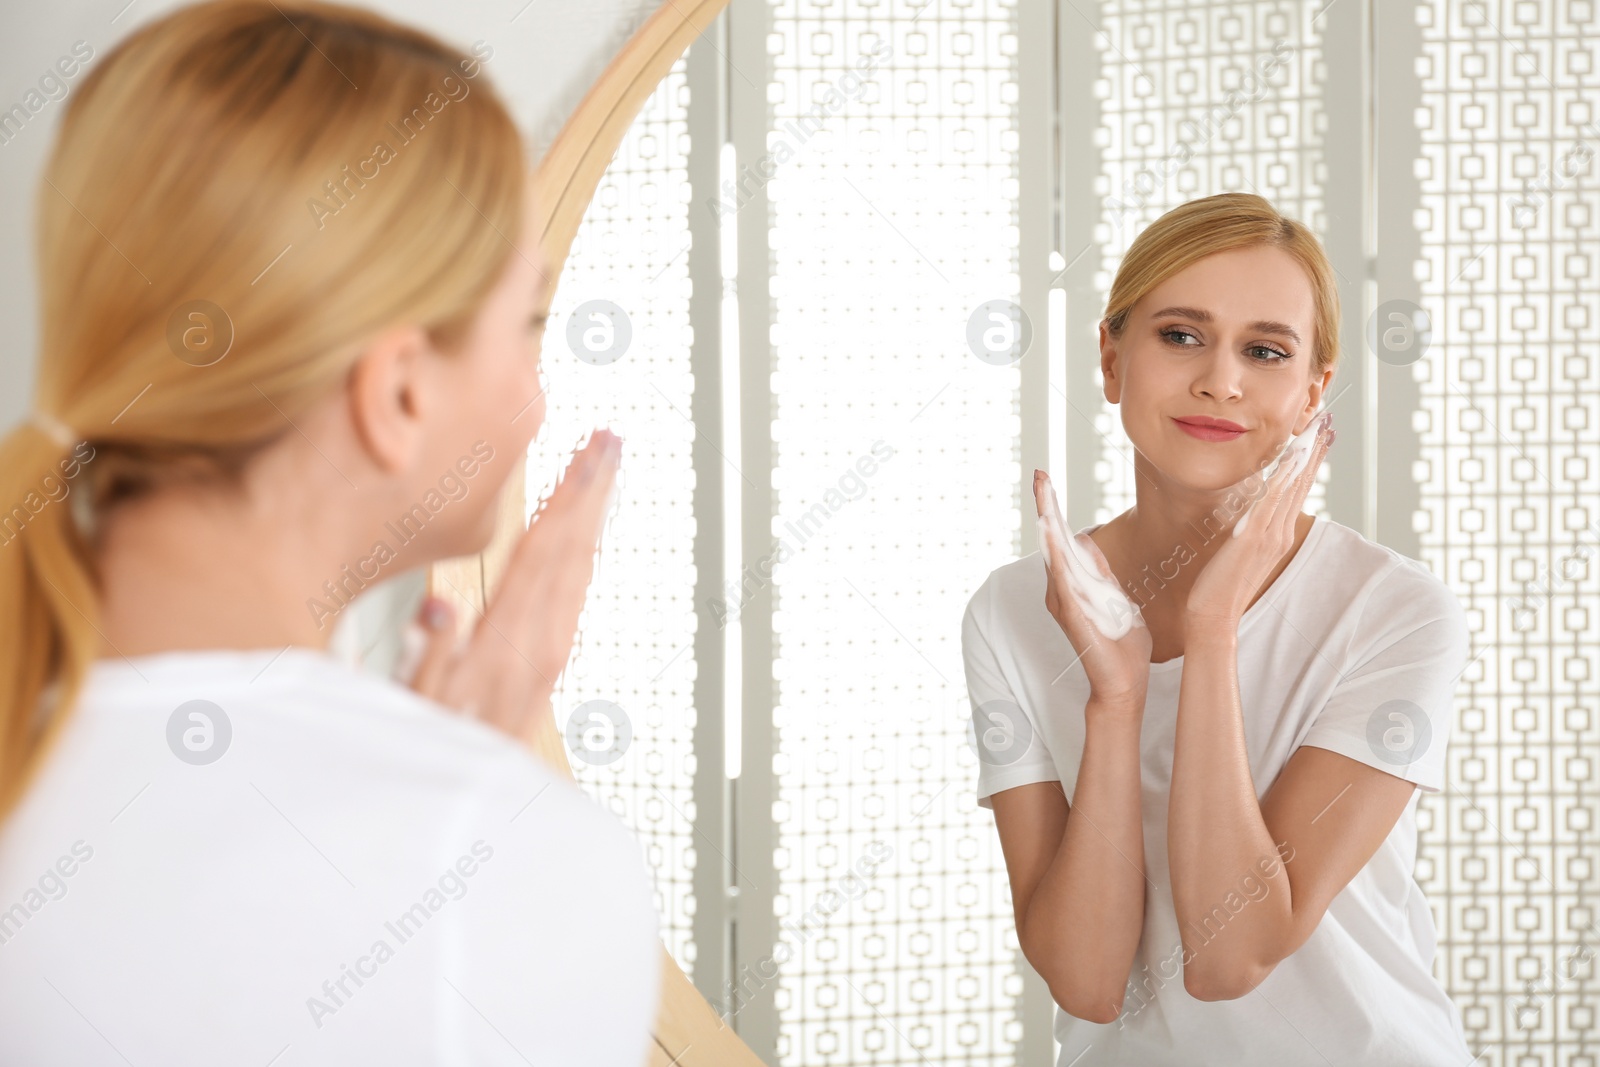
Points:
x=688, y=1031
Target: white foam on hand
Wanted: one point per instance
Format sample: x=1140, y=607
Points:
x=1297, y=453
x=1101, y=598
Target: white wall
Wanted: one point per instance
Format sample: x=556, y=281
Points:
x=546, y=55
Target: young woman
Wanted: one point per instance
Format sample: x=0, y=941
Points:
x=1207, y=804
x=291, y=311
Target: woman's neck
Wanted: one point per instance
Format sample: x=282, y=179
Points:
x=189, y=569
x=1158, y=547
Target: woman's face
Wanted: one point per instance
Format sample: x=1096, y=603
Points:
x=1228, y=337
x=492, y=398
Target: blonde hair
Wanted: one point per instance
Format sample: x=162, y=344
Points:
x=241, y=195
x=1199, y=228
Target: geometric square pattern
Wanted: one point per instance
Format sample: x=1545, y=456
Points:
x=1509, y=512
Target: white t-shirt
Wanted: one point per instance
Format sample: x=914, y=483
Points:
x=358, y=876
x=1361, y=989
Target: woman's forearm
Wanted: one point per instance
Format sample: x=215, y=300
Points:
x=1086, y=915
x=1215, y=832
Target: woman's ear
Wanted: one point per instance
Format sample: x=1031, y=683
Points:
x=1319, y=386
x=385, y=389
x=1108, y=365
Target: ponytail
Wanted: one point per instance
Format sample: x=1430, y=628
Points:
x=49, y=611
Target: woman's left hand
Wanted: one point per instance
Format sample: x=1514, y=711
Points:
x=1231, y=578
x=504, y=671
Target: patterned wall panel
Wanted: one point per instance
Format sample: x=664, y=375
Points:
x=1510, y=511
x=893, y=218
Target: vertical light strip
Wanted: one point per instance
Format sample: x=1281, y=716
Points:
x=1343, y=100
x=1042, y=377
x=1057, y=353
x=737, y=575
x=749, y=1001
x=1079, y=107
x=713, y=547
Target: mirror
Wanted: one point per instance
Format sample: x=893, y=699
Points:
x=841, y=275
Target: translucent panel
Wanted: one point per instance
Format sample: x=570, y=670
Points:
x=893, y=218
x=1510, y=512
x=1199, y=99
x=616, y=354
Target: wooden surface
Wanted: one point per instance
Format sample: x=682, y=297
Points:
x=688, y=1031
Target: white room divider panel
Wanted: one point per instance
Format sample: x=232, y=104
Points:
x=894, y=234
x=854, y=859
x=1508, y=263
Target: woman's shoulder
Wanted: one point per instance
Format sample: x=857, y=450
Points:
x=1008, y=593
x=1385, y=580
x=306, y=809
x=291, y=687
x=1378, y=599
x=306, y=716
x=201, y=745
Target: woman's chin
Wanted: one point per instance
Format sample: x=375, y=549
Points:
x=467, y=539
x=483, y=527
x=1207, y=478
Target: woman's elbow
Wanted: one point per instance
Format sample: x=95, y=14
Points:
x=1212, y=986
x=1078, y=994
x=1088, y=1007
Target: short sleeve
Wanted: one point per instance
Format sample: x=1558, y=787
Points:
x=1004, y=735
x=553, y=954
x=1393, y=704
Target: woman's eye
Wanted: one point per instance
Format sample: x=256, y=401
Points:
x=1272, y=355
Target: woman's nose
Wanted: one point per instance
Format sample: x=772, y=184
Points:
x=1218, y=377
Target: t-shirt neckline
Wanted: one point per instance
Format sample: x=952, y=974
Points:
x=183, y=663
x=1296, y=562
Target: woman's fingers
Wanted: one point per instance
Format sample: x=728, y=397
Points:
x=1308, y=476
x=1292, y=497
x=524, y=639
x=1059, y=598
x=1272, y=509
x=1291, y=483
x=1054, y=550
x=437, y=621
x=563, y=533
x=1098, y=556
x=506, y=670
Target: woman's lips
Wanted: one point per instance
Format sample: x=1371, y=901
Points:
x=1208, y=433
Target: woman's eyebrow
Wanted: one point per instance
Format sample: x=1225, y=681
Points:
x=1202, y=315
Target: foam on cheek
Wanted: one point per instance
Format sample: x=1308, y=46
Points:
x=1101, y=599
x=1296, y=453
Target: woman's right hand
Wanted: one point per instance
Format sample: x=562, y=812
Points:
x=505, y=671
x=1118, y=668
